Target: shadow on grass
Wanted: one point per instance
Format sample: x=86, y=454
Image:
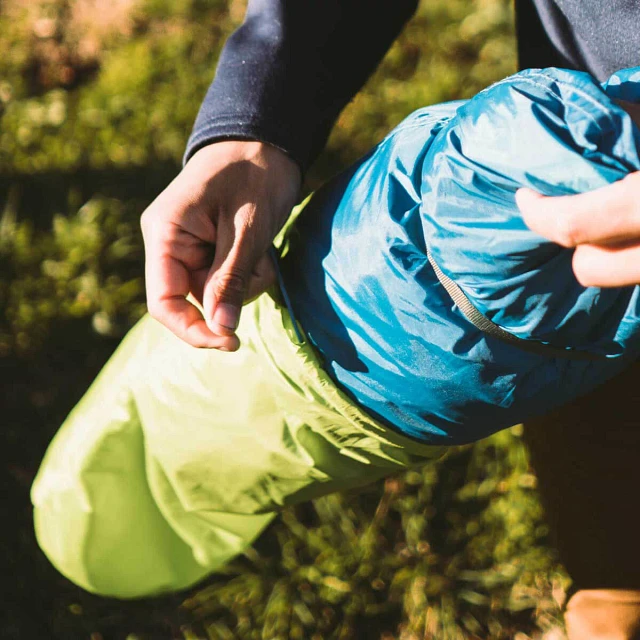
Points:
x=41, y=195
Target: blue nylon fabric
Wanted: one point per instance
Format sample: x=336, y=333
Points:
x=368, y=299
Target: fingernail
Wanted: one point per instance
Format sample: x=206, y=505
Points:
x=227, y=315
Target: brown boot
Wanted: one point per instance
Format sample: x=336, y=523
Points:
x=603, y=614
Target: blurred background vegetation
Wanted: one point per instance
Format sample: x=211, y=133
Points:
x=97, y=100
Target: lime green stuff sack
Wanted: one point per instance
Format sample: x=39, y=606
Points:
x=177, y=458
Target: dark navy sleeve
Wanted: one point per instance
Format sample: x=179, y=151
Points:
x=286, y=73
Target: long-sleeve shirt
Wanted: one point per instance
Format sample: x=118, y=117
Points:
x=288, y=71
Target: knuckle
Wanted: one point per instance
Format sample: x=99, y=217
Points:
x=245, y=221
x=230, y=285
x=569, y=230
x=246, y=213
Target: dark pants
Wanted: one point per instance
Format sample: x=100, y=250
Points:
x=587, y=459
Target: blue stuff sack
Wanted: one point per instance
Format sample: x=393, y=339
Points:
x=429, y=300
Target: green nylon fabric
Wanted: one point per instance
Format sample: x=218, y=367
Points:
x=177, y=458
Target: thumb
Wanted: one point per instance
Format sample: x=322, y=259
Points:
x=227, y=283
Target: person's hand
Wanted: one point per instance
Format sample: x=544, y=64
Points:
x=603, y=225
x=208, y=234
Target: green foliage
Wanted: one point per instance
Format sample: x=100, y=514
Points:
x=455, y=550
x=138, y=106
x=87, y=265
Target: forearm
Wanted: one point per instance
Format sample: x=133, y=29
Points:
x=286, y=73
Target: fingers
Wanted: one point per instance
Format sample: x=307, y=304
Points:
x=608, y=215
x=228, y=279
x=207, y=235
x=262, y=277
x=603, y=225
x=597, y=266
x=167, y=287
x=185, y=321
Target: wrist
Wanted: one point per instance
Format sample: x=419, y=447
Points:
x=260, y=153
